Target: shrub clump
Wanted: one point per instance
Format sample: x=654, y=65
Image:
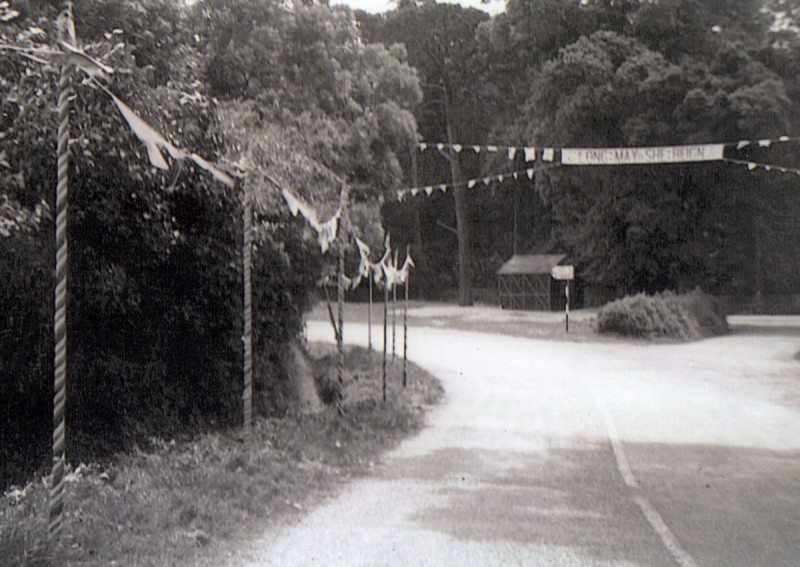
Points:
x=688, y=316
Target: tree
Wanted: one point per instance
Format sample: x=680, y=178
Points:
x=677, y=72
x=440, y=42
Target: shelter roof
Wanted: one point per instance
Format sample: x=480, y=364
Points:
x=530, y=264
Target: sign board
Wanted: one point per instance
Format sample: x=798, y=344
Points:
x=629, y=156
x=563, y=272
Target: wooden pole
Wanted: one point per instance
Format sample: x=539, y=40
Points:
x=394, y=309
x=405, y=334
x=56, y=495
x=247, y=314
x=369, y=311
x=385, y=333
x=342, y=238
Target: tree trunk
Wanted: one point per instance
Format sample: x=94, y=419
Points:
x=462, y=217
x=758, y=262
x=418, y=254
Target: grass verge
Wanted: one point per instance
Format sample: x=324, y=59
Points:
x=195, y=501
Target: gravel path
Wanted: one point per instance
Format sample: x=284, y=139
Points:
x=556, y=453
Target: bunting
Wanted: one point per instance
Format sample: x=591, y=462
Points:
x=751, y=165
x=511, y=151
x=470, y=183
x=688, y=153
x=326, y=231
x=404, y=271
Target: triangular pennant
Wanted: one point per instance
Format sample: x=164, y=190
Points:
x=327, y=232
x=500, y=178
x=476, y=149
x=458, y=148
x=443, y=187
x=401, y=195
x=751, y=166
x=87, y=64
x=742, y=144
x=471, y=183
x=429, y=190
x=516, y=175
x=764, y=143
x=512, y=153
x=293, y=202
x=151, y=139
x=530, y=154
x=414, y=192
x=423, y=147
x=440, y=147
x=364, y=263
x=487, y=180
x=530, y=171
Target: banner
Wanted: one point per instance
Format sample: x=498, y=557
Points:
x=634, y=156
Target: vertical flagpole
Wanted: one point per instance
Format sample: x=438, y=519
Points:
x=405, y=332
x=56, y=496
x=385, y=321
x=247, y=313
x=340, y=301
x=369, y=309
x=394, y=308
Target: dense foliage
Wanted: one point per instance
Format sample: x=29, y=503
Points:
x=599, y=73
x=315, y=98
x=154, y=313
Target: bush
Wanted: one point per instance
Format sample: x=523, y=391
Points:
x=685, y=317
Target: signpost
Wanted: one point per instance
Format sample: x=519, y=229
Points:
x=565, y=274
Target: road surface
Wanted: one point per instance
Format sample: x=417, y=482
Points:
x=559, y=453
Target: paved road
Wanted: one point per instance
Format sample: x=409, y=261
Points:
x=553, y=453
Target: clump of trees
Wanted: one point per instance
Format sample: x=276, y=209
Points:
x=155, y=274
x=582, y=73
x=315, y=98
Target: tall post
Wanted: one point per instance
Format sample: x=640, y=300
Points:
x=369, y=310
x=405, y=333
x=342, y=238
x=394, y=309
x=247, y=313
x=56, y=495
x=385, y=321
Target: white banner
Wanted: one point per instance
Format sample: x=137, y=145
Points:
x=628, y=156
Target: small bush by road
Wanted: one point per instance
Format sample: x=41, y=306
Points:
x=667, y=315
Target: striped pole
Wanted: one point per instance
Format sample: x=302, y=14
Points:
x=369, y=311
x=385, y=324
x=340, y=303
x=405, y=334
x=247, y=313
x=56, y=496
x=394, y=310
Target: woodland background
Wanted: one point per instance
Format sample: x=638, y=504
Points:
x=318, y=96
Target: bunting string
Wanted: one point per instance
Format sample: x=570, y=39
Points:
x=688, y=153
x=550, y=154
x=511, y=152
x=469, y=183
x=751, y=165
